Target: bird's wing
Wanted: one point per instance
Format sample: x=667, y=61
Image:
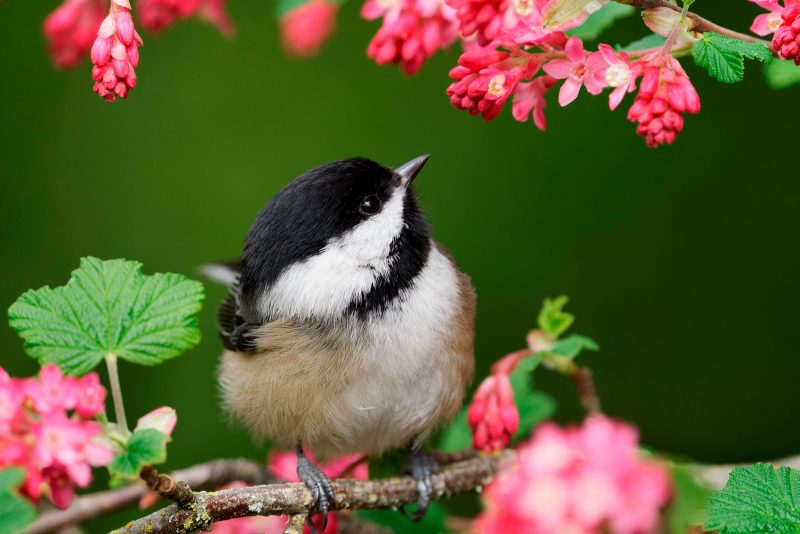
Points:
x=235, y=331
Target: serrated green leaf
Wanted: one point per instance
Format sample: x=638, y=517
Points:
x=109, y=307
x=723, y=56
x=16, y=512
x=601, y=20
x=782, y=74
x=650, y=41
x=144, y=447
x=533, y=406
x=757, y=498
x=552, y=319
x=434, y=521
x=571, y=346
x=689, y=499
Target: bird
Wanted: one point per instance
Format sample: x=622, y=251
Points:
x=346, y=328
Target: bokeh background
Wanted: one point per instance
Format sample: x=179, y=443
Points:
x=682, y=262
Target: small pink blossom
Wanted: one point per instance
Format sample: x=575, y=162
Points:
x=215, y=12
x=665, y=94
x=565, y=481
x=115, y=53
x=529, y=99
x=617, y=73
x=787, y=37
x=71, y=29
x=157, y=15
x=91, y=396
x=162, y=419
x=305, y=28
x=411, y=32
x=493, y=416
x=52, y=391
x=485, y=78
x=767, y=23
x=481, y=18
x=577, y=70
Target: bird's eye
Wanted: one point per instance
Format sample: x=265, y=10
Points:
x=371, y=205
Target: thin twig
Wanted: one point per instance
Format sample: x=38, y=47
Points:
x=294, y=499
x=177, y=491
x=209, y=474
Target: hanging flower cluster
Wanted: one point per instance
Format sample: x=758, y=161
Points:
x=47, y=429
x=581, y=480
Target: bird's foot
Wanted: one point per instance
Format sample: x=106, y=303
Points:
x=421, y=466
x=320, y=486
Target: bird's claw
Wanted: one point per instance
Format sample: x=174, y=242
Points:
x=319, y=485
x=421, y=467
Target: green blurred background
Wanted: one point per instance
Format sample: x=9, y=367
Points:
x=682, y=262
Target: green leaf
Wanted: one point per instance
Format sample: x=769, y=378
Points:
x=651, y=41
x=457, y=435
x=601, y=20
x=571, y=346
x=16, y=512
x=433, y=523
x=782, y=74
x=552, y=319
x=109, y=307
x=144, y=447
x=757, y=498
x=723, y=56
x=689, y=499
x=534, y=406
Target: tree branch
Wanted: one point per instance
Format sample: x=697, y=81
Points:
x=209, y=474
x=699, y=24
x=294, y=499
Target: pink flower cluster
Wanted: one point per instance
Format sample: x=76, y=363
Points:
x=283, y=465
x=782, y=20
x=305, y=28
x=46, y=429
x=71, y=29
x=493, y=415
x=157, y=15
x=411, y=31
x=115, y=53
x=581, y=480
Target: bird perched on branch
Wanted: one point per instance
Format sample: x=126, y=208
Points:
x=347, y=328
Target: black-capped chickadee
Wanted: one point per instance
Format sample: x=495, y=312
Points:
x=347, y=328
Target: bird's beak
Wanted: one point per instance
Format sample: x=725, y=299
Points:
x=409, y=171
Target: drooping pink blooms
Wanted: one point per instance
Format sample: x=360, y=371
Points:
x=617, y=73
x=787, y=37
x=586, y=479
x=214, y=12
x=767, y=23
x=411, y=31
x=115, y=53
x=156, y=15
x=71, y=29
x=493, y=416
x=578, y=69
x=481, y=18
x=283, y=465
x=45, y=429
x=665, y=94
x=305, y=28
x=529, y=100
x=485, y=78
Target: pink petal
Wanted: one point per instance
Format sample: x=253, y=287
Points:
x=574, y=49
x=616, y=96
x=569, y=91
x=558, y=68
x=761, y=25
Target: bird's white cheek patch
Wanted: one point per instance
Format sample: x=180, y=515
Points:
x=324, y=285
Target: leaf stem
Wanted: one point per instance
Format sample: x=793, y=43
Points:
x=116, y=393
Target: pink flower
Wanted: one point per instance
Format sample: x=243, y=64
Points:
x=411, y=32
x=617, y=73
x=481, y=18
x=787, y=37
x=565, y=481
x=91, y=396
x=156, y=15
x=665, y=94
x=52, y=392
x=578, y=69
x=306, y=27
x=214, y=12
x=767, y=23
x=115, y=53
x=529, y=97
x=70, y=30
x=486, y=78
x=162, y=419
x=493, y=416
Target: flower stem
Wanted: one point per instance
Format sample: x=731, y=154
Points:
x=116, y=393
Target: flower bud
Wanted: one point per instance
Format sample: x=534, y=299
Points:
x=662, y=20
